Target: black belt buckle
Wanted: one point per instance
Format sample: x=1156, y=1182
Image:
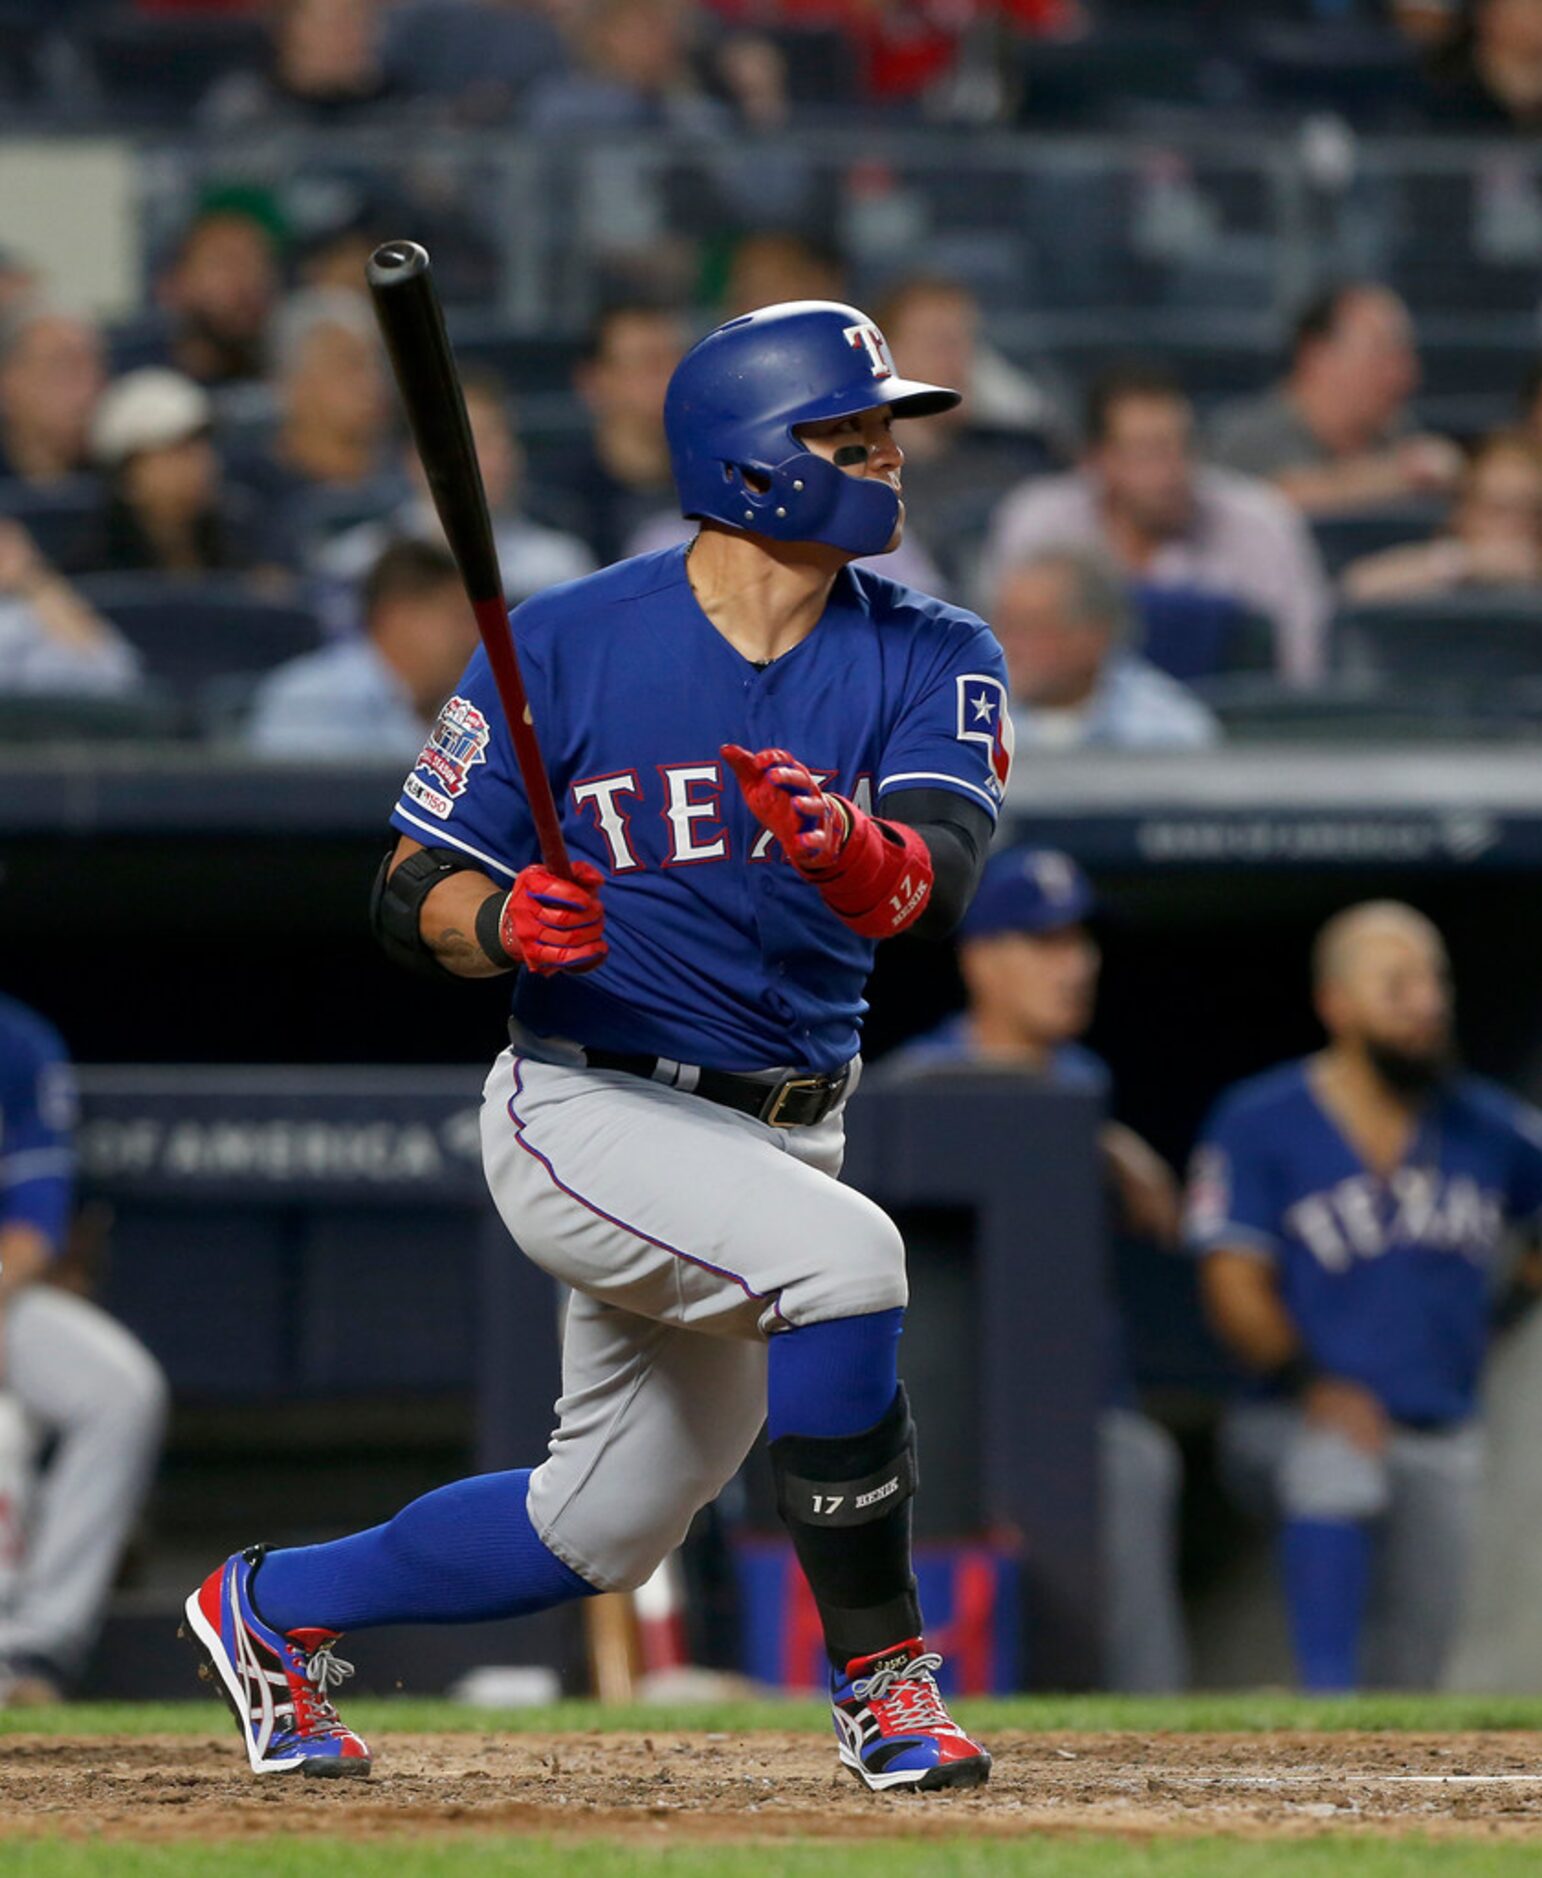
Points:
x=821, y=1092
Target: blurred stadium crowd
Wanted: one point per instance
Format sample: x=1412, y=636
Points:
x=1254, y=420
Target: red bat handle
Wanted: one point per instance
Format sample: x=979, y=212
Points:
x=493, y=624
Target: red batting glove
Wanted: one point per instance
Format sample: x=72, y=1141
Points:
x=875, y=876
x=812, y=827
x=554, y=925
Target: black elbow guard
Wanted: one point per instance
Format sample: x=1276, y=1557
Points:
x=396, y=906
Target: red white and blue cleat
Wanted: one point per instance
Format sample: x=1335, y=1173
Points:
x=894, y=1728
x=275, y=1682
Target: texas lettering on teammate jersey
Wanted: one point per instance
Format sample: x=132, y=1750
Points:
x=1389, y=1279
x=720, y=953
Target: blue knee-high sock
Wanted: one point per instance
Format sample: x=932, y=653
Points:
x=1327, y=1566
x=459, y=1555
x=833, y=1379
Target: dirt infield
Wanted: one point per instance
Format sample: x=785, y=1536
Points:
x=701, y=1788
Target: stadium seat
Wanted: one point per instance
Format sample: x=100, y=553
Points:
x=1366, y=73
x=1345, y=711
x=154, y=69
x=1344, y=538
x=145, y=716
x=188, y=632
x=1194, y=635
x=1468, y=639
x=64, y=518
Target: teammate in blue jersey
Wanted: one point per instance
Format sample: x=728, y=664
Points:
x=1352, y=1210
x=1030, y=965
x=85, y=1388
x=766, y=761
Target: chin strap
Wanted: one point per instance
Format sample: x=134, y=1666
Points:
x=881, y=878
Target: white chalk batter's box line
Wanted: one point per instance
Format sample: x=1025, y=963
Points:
x=1339, y=1776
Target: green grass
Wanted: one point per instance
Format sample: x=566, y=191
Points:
x=1225, y=1713
x=1328, y=1857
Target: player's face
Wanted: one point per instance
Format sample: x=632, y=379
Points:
x=1503, y=500
x=179, y=480
x=625, y=385
x=228, y=278
x=1394, y=994
x=339, y=384
x=428, y=639
x=497, y=450
x=1053, y=658
x=1146, y=462
x=1370, y=359
x=935, y=337
x=1042, y=985
x=861, y=445
x=54, y=378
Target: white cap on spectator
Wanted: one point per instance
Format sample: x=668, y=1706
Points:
x=147, y=410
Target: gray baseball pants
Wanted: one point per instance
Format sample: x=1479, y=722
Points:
x=1140, y=1486
x=98, y=1397
x=1421, y=1496
x=689, y=1234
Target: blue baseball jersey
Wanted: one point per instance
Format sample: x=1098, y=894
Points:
x=720, y=952
x=1389, y=1280
x=37, y=1118
x=951, y=1044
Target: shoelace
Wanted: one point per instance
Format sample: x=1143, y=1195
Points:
x=908, y=1692
x=325, y=1671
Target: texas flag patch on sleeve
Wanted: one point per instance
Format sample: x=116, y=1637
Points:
x=985, y=716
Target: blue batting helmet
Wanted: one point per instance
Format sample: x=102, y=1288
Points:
x=736, y=398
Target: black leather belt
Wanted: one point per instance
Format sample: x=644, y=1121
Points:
x=789, y=1102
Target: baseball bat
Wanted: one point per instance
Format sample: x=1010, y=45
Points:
x=401, y=284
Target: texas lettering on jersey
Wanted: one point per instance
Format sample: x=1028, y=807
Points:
x=720, y=953
x=1387, y=1277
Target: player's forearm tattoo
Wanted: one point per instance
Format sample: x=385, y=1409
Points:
x=459, y=953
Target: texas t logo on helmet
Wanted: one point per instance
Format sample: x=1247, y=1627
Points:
x=868, y=339
x=733, y=409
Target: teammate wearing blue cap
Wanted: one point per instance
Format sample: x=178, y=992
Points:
x=663, y=1134
x=1030, y=968
x=1352, y=1212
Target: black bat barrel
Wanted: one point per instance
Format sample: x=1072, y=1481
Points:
x=401, y=283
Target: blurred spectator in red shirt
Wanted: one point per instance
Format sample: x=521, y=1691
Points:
x=1493, y=537
x=167, y=509
x=221, y=290
x=51, y=376
x=327, y=64
x=904, y=46
x=1337, y=434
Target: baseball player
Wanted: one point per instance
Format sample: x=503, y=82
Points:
x=766, y=761
x=1030, y=968
x=81, y=1381
x=1351, y=1210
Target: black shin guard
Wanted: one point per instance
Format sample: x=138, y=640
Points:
x=846, y=1503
